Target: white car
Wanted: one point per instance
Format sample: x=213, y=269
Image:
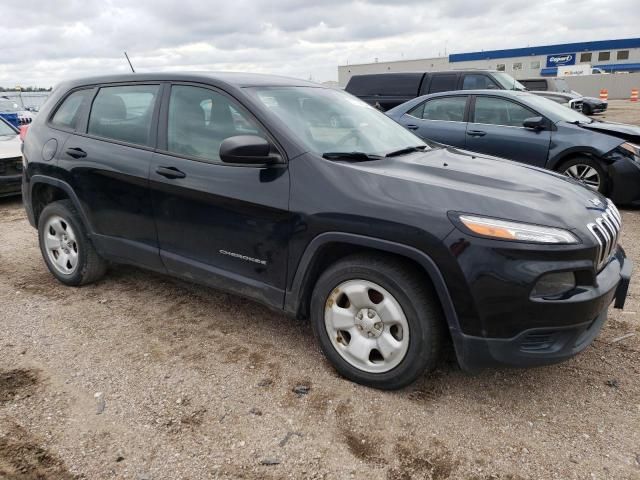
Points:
x=10, y=160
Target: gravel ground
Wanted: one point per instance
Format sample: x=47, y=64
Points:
x=144, y=377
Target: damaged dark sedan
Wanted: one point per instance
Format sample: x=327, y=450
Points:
x=527, y=128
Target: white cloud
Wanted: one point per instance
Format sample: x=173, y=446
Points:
x=45, y=43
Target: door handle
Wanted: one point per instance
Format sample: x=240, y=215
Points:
x=76, y=152
x=476, y=133
x=412, y=127
x=170, y=172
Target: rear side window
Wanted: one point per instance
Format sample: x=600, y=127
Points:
x=124, y=113
x=498, y=111
x=443, y=83
x=478, y=82
x=450, y=109
x=68, y=113
x=535, y=85
x=387, y=84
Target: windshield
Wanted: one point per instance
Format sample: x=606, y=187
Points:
x=329, y=121
x=557, y=111
x=6, y=129
x=507, y=82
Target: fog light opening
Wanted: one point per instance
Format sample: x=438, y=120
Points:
x=554, y=285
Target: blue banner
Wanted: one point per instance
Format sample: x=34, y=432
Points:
x=561, y=59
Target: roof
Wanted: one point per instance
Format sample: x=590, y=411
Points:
x=237, y=79
x=547, y=50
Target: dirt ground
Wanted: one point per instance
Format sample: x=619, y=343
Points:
x=144, y=377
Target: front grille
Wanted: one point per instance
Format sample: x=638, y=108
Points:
x=606, y=230
x=576, y=105
x=11, y=166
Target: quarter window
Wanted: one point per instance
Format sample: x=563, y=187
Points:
x=124, y=113
x=497, y=111
x=477, y=82
x=447, y=108
x=585, y=57
x=201, y=119
x=604, y=56
x=622, y=55
x=67, y=114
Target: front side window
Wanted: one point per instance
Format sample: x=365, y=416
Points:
x=622, y=55
x=199, y=121
x=124, y=113
x=477, y=82
x=604, y=56
x=498, y=111
x=585, y=57
x=450, y=109
x=67, y=114
x=327, y=120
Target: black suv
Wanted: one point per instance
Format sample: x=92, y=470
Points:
x=312, y=202
x=388, y=90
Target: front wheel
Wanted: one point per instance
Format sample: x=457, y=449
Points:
x=587, y=171
x=377, y=321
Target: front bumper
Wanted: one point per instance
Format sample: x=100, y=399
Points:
x=624, y=177
x=550, y=344
x=10, y=185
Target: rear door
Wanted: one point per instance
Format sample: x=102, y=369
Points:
x=107, y=164
x=442, y=119
x=224, y=225
x=496, y=128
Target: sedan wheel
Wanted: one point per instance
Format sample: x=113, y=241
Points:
x=61, y=245
x=585, y=174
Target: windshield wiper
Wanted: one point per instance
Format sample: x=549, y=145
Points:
x=355, y=156
x=403, y=151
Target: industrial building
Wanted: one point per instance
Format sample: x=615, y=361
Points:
x=609, y=56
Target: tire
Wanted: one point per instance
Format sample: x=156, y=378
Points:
x=65, y=247
x=576, y=166
x=586, y=109
x=404, y=308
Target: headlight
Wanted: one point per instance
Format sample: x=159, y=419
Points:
x=633, y=149
x=524, y=232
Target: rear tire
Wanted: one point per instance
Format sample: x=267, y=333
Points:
x=586, y=109
x=587, y=171
x=65, y=246
x=377, y=321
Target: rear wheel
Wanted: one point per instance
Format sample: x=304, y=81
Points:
x=65, y=247
x=587, y=171
x=376, y=321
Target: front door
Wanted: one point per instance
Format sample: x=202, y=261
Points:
x=224, y=225
x=496, y=129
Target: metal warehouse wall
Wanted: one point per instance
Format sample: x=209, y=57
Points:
x=618, y=84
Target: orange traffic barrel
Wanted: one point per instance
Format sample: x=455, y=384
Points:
x=634, y=95
x=604, y=94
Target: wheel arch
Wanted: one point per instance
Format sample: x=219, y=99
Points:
x=327, y=248
x=45, y=190
x=555, y=162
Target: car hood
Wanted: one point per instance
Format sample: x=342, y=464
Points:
x=622, y=130
x=450, y=179
x=10, y=146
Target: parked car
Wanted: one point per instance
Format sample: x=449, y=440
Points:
x=390, y=247
x=10, y=160
x=554, y=86
x=13, y=113
x=533, y=130
x=388, y=90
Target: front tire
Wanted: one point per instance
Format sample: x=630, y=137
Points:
x=65, y=246
x=377, y=321
x=587, y=171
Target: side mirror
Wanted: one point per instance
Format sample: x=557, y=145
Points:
x=247, y=150
x=534, y=123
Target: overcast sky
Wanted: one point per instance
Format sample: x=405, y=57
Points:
x=46, y=41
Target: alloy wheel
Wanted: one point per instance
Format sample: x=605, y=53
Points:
x=366, y=326
x=585, y=174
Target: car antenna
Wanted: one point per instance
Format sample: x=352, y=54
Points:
x=127, y=57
